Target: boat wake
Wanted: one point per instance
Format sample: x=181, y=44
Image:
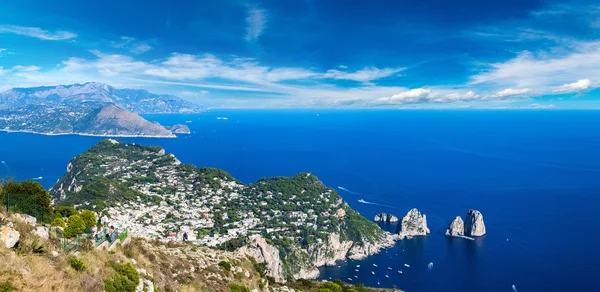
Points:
x=38, y=178
x=349, y=191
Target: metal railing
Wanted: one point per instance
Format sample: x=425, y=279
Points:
x=23, y=203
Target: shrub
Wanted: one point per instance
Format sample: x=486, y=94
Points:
x=128, y=253
x=333, y=287
x=226, y=266
x=58, y=222
x=37, y=247
x=88, y=217
x=125, y=279
x=65, y=211
x=7, y=287
x=77, y=264
x=233, y=287
x=75, y=226
x=86, y=244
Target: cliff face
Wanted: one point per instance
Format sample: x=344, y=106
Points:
x=456, y=227
x=413, y=224
x=265, y=253
x=385, y=217
x=474, y=225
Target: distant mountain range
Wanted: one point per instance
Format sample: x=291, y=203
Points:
x=136, y=100
x=90, y=109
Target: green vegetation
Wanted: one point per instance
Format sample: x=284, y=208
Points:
x=88, y=217
x=226, y=266
x=105, y=193
x=65, y=211
x=59, y=222
x=233, y=287
x=75, y=226
x=27, y=197
x=77, y=264
x=7, y=287
x=125, y=279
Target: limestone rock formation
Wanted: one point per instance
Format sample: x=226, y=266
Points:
x=474, y=225
x=265, y=253
x=26, y=218
x=413, y=224
x=385, y=217
x=456, y=227
x=8, y=236
x=41, y=232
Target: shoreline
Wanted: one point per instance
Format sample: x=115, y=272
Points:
x=89, y=135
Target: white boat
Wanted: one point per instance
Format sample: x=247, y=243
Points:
x=430, y=266
x=356, y=270
x=389, y=268
x=407, y=265
x=188, y=122
x=372, y=273
x=377, y=281
x=355, y=276
x=514, y=288
x=358, y=266
x=400, y=272
x=362, y=201
x=374, y=265
x=349, y=279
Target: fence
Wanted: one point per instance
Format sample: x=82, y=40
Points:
x=23, y=203
x=74, y=244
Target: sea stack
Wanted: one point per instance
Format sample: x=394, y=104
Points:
x=456, y=227
x=474, y=225
x=385, y=217
x=413, y=224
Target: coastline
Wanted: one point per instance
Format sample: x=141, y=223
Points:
x=89, y=135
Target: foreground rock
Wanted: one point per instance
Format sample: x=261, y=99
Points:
x=385, y=217
x=265, y=253
x=413, y=224
x=474, y=225
x=9, y=236
x=456, y=227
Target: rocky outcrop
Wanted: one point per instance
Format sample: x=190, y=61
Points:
x=265, y=253
x=474, y=225
x=456, y=227
x=413, y=224
x=41, y=232
x=9, y=236
x=26, y=218
x=385, y=217
x=180, y=129
x=359, y=252
x=326, y=254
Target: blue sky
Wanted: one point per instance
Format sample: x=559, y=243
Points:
x=313, y=54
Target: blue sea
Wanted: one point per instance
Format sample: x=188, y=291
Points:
x=535, y=176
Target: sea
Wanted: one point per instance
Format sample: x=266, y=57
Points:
x=534, y=175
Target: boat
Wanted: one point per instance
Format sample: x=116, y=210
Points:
x=389, y=268
x=349, y=279
x=362, y=201
x=356, y=270
x=355, y=276
x=407, y=265
x=514, y=288
x=374, y=265
x=387, y=276
x=358, y=266
x=400, y=272
x=430, y=266
x=372, y=273
x=377, y=281
x=188, y=122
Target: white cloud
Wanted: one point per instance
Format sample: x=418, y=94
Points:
x=364, y=75
x=3, y=52
x=37, y=32
x=543, y=71
x=512, y=92
x=580, y=85
x=256, y=22
x=131, y=45
x=420, y=95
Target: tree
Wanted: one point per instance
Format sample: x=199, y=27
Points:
x=88, y=217
x=75, y=226
x=27, y=197
x=65, y=211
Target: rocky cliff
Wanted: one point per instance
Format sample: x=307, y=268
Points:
x=265, y=253
x=456, y=227
x=413, y=224
x=385, y=217
x=474, y=225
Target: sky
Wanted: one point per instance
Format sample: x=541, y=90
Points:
x=313, y=54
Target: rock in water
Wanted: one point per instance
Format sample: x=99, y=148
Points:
x=385, y=217
x=413, y=224
x=456, y=227
x=474, y=225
